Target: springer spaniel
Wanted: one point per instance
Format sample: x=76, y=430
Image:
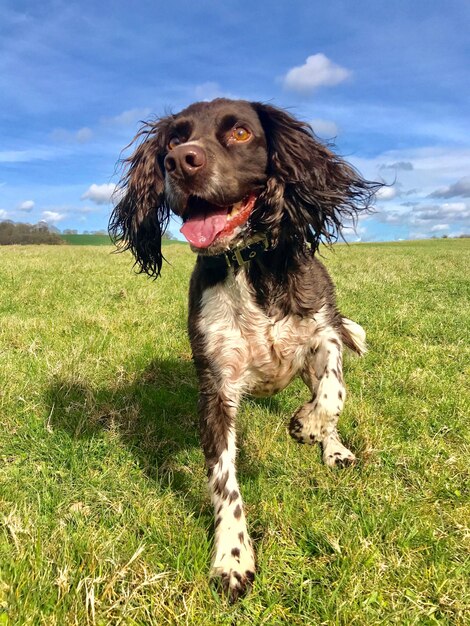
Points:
x=256, y=192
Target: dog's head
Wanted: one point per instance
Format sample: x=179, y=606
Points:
x=231, y=170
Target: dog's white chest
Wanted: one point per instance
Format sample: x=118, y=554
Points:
x=247, y=347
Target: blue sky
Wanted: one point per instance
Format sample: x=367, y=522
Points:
x=388, y=81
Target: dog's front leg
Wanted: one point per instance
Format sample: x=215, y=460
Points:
x=316, y=421
x=233, y=561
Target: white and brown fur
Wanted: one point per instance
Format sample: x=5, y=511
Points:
x=256, y=327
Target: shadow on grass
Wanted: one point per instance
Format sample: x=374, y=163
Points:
x=154, y=414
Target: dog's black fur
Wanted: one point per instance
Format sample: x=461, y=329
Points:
x=193, y=162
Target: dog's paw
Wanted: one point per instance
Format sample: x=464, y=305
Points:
x=337, y=455
x=235, y=584
x=235, y=570
x=304, y=427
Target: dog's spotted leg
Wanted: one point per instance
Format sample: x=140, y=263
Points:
x=234, y=560
x=315, y=421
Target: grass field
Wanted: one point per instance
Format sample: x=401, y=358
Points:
x=86, y=240
x=103, y=507
x=95, y=240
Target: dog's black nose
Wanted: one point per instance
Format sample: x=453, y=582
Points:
x=185, y=160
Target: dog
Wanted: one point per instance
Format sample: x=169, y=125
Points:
x=257, y=193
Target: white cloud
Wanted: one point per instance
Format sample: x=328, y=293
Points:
x=386, y=193
x=421, y=219
x=27, y=206
x=82, y=135
x=460, y=188
x=52, y=217
x=324, y=128
x=432, y=166
x=317, y=71
x=88, y=209
x=446, y=160
x=99, y=194
x=405, y=166
x=450, y=211
x=392, y=214
x=209, y=91
x=31, y=154
x=456, y=207
x=129, y=117
x=3, y=214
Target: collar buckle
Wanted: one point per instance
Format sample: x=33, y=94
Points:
x=238, y=257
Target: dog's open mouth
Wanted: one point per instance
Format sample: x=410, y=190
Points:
x=210, y=222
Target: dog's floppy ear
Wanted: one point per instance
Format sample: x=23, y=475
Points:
x=141, y=216
x=318, y=190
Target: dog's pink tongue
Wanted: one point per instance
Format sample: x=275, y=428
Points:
x=201, y=230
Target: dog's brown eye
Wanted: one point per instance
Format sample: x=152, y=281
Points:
x=174, y=141
x=240, y=134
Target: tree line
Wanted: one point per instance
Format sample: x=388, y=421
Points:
x=18, y=233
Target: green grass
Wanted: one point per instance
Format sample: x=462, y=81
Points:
x=96, y=240
x=86, y=240
x=104, y=512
